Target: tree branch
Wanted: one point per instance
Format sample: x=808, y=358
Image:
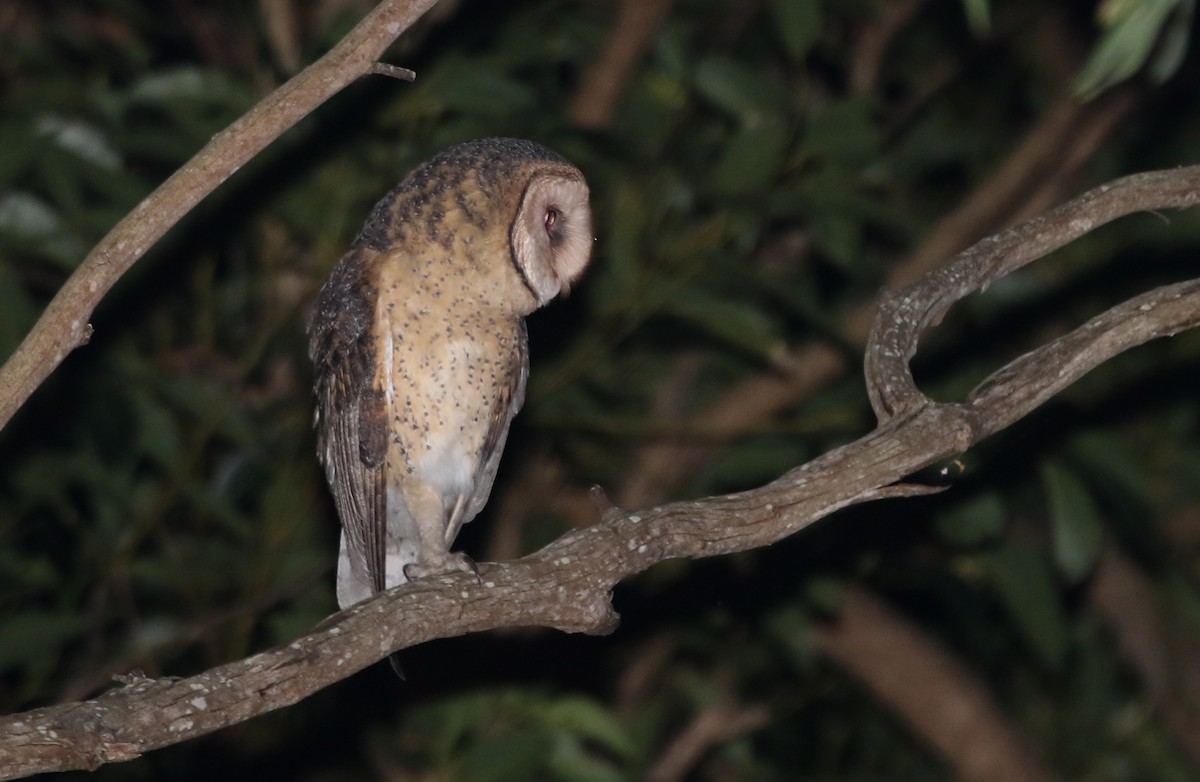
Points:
x=1032, y=174
x=1016, y=389
x=604, y=82
x=64, y=325
x=567, y=584
x=922, y=683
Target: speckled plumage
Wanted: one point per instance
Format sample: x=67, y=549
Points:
x=418, y=339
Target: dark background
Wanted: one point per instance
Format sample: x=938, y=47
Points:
x=767, y=168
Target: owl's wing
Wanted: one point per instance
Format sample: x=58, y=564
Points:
x=351, y=412
x=507, y=403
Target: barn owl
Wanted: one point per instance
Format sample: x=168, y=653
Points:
x=419, y=345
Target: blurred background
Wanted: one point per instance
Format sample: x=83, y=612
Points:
x=759, y=170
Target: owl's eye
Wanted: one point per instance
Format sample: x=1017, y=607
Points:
x=551, y=219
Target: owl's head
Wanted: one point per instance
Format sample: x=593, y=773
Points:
x=551, y=235
x=513, y=212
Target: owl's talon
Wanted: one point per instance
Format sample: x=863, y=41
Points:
x=456, y=561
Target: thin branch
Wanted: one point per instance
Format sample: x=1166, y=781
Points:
x=872, y=42
x=64, y=325
x=994, y=201
x=1165, y=661
x=926, y=687
x=756, y=400
x=605, y=81
x=712, y=727
x=1009, y=396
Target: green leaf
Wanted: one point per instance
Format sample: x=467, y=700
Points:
x=515, y=754
x=459, y=85
x=80, y=138
x=979, y=16
x=628, y=207
x=1173, y=43
x=157, y=432
x=17, y=311
x=188, y=84
x=791, y=627
x=740, y=90
x=1133, y=28
x=798, y=24
x=752, y=157
x=1025, y=584
x=21, y=570
x=825, y=595
x=1107, y=460
x=29, y=224
x=839, y=238
x=28, y=635
x=845, y=133
x=1184, y=596
x=585, y=718
x=750, y=462
x=979, y=520
x=1078, y=530
x=740, y=324
x=572, y=761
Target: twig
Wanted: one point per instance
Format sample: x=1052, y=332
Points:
x=64, y=325
x=393, y=71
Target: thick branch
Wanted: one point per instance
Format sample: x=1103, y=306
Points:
x=64, y=325
x=564, y=586
x=567, y=584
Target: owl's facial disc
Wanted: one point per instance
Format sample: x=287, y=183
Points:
x=552, y=235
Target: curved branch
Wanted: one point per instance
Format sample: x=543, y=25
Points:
x=1030, y=178
x=64, y=325
x=904, y=315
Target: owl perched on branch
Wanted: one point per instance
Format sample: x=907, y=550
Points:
x=419, y=343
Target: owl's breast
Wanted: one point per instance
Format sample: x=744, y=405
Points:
x=444, y=377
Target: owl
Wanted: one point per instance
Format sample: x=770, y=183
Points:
x=420, y=352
